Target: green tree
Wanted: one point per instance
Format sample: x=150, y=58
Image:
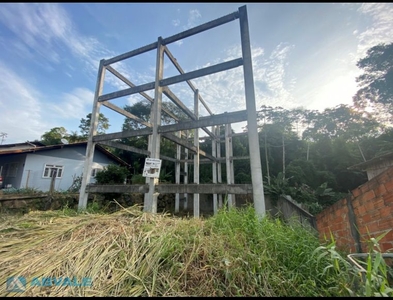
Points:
x=53, y=136
x=112, y=174
x=376, y=82
x=141, y=112
x=103, y=125
x=74, y=137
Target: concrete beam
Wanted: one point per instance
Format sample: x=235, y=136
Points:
x=136, y=150
x=129, y=54
x=189, y=188
x=167, y=92
x=118, y=188
x=146, y=96
x=122, y=134
x=126, y=92
x=125, y=113
x=202, y=72
x=201, y=28
x=125, y=147
x=185, y=144
x=176, y=64
x=219, y=119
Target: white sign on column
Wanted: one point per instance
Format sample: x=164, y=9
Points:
x=152, y=167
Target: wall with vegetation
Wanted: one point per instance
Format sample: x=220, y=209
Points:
x=366, y=213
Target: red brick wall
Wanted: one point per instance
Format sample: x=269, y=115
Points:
x=372, y=204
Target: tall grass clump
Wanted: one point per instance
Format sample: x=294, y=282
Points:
x=266, y=257
x=134, y=253
x=359, y=274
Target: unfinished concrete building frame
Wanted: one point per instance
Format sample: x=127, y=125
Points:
x=178, y=132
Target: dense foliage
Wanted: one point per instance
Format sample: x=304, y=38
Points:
x=112, y=174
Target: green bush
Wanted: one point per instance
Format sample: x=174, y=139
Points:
x=112, y=174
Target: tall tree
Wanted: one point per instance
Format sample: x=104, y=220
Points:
x=342, y=121
x=141, y=111
x=376, y=82
x=54, y=136
x=103, y=125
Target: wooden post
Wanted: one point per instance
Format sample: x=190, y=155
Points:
x=53, y=174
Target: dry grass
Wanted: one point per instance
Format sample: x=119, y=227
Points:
x=132, y=253
x=120, y=252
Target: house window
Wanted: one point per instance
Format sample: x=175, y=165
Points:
x=48, y=171
x=11, y=169
x=94, y=171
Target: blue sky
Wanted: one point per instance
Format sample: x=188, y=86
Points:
x=304, y=55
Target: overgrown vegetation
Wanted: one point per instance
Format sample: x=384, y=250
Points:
x=112, y=174
x=132, y=253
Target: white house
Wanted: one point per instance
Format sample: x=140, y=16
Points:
x=29, y=165
x=375, y=166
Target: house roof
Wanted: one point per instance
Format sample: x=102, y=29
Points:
x=38, y=146
x=16, y=146
x=367, y=164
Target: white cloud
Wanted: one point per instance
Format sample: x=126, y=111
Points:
x=176, y=22
x=47, y=30
x=381, y=28
x=273, y=87
x=193, y=18
x=20, y=108
x=74, y=105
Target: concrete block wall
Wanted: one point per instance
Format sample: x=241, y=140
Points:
x=366, y=213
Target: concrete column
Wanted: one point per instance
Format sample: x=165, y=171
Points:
x=232, y=164
x=186, y=174
x=253, y=141
x=219, y=173
x=214, y=168
x=229, y=162
x=147, y=180
x=150, y=204
x=177, y=173
x=196, y=156
x=83, y=196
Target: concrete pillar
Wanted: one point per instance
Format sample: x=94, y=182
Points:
x=219, y=172
x=186, y=174
x=214, y=169
x=177, y=173
x=150, y=204
x=253, y=140
x=229, y=162
x=196, y=156
x=83, y=196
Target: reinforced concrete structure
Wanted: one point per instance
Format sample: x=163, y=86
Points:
x=176, y=132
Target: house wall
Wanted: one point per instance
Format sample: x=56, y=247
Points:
x=378, y=168
x=367, y=212
x=5, y=160
x=30, y=172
